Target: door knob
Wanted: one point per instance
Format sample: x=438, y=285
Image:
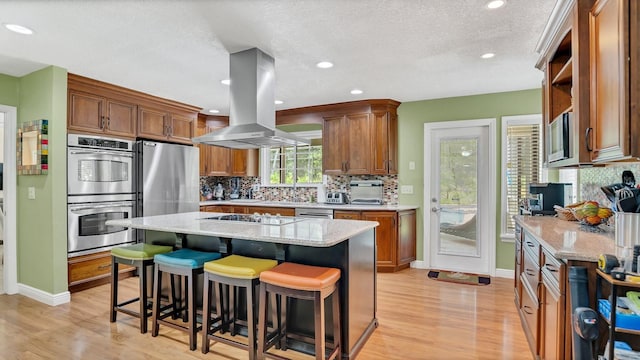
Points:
x=435, y=209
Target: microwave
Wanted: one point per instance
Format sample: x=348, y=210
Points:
x=559, y=137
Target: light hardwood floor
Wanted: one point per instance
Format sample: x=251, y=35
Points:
x=419, y=319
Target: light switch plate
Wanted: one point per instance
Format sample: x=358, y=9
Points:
x=406, y=189
x=31, y=193
x=412, y=165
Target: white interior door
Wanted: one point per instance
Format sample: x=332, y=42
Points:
x=460, y=196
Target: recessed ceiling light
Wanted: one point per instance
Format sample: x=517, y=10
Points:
x=324, y=64
x=356, y=92
x=19, y=29
x=214, y=111
x=226, y=81
x=495, y=4
x=488, y=55
x=278, y=102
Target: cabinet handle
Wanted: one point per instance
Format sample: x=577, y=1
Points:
x=108, y=123
x=346, y=166
x=529, y=272
x=527, y=309
x=102, y=267
x=102, y=122
x=530, y=244
x=390, y=165
x=586, y=139
x=551, y=267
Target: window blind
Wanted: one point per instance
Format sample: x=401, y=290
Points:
x=522, y=166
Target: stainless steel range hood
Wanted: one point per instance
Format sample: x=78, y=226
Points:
x=252, y=113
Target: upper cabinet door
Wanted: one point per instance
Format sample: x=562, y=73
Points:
x=181, y=128
x=359, y=147
x=609, y=41
x=385, y=143
x=86, y=112
x=333, y=145
x=151, y=123
x=121, y=118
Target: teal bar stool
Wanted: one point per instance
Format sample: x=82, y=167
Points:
x=183, y=262
x=140, y=256
x=236, y=272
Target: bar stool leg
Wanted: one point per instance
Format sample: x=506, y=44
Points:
x=282, y=321
x=157, y=279
x=193, y=330
x=337, y=335
x=114, y=289
x=262, y=321
x=318, y=309
x=142, y=274
x=206, y=312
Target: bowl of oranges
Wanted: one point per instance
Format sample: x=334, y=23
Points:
x=591, y=213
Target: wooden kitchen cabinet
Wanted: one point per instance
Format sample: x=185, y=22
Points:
x=541, y=299
x=347, y=139
x=565, y=62
x=91, y=270
x=221, y=161
x=615, y=84
x=385, y=145
x=162, y=124
x=395, y=236
x=95, y=114
x=105, y=109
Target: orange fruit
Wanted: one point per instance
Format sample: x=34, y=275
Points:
x=593, y=220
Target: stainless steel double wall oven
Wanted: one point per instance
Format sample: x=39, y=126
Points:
x=100, y=188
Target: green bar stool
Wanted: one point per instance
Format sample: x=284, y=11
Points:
x=140, y=256
x=307, y=283
x=236, y=272
x=183, y=262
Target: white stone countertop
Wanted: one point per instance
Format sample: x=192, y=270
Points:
x=304, y=231
x=284, y=204
x=569, y=240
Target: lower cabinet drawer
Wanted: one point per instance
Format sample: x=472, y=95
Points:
x=91, y=267
x=530, y=315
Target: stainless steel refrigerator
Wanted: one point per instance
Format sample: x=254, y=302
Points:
x=167, y=179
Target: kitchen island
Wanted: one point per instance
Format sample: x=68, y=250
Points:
x=345, y=244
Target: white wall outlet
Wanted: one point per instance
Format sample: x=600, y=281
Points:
x=412, y=165
x=255, y=187
x=406, y=189
x=31, y=193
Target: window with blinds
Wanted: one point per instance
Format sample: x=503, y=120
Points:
x=522, y=165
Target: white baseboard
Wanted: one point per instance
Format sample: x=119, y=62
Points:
x=418, y=264
x=43, y=296
x=505, y=273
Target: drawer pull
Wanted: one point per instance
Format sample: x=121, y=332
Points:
x=530, y=244
x=103, y=267
x=551, y=267
x=530, y=272
x=527, y=309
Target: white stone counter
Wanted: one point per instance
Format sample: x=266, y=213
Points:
x=284, y=204
x=304, y=231
x=568, y=239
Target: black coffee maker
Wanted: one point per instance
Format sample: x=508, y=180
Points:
x=543, y=196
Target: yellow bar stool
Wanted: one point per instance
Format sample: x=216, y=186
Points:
x=304, y=282
x=183, y=262
x=237, y=272
x=140, y=256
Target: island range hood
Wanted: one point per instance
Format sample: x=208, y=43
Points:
x=252, y=112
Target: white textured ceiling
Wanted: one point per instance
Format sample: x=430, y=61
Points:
x=400, y=49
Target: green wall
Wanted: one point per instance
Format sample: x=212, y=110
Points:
x=413, y=115
x=42, y=223
x=8, y=90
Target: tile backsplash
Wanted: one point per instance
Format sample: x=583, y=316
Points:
x=300, y=193
x=591, y=179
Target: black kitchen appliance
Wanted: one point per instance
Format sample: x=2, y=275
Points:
x=543, y=196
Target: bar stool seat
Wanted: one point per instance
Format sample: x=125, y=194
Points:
x=307, y=283
x=141, y=256
x=188, y=263
x=238, y=272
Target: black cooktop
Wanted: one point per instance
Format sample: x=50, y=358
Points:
x=260, y=219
